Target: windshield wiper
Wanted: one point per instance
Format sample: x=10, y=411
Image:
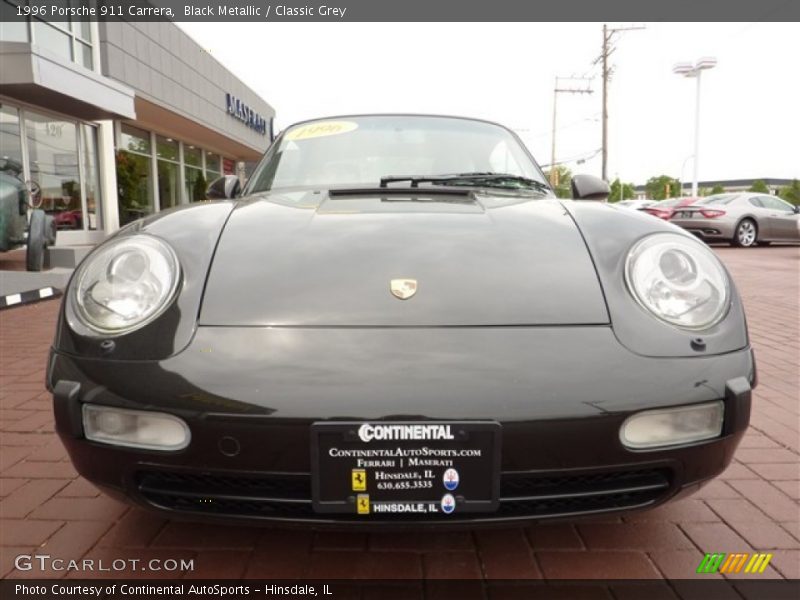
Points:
x=484, y=179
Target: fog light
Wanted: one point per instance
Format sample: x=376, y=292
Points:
x=673, y=426
x=134, y=428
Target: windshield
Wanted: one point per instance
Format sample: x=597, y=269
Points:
x=363, y=151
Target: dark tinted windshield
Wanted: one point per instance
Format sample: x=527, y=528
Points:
x=359, y=151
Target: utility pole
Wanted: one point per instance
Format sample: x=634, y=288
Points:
x=608, y=49
x=558, y=89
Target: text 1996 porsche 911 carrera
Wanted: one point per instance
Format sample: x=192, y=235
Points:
x=396, y=322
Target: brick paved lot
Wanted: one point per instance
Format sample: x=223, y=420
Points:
x=46, y=508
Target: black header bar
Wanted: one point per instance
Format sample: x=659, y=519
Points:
x=404, y=10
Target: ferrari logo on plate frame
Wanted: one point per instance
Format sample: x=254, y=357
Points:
x=359, y=480
x=403, y=288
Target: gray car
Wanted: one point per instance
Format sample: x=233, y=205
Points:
x=743, y=219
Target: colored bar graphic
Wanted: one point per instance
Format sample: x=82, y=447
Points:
x=720, y=562
x=711, y=563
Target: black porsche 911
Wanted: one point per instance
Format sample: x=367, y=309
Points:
x=396, y=322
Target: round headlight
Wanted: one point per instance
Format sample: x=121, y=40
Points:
x=125, y=284
x=679, y=280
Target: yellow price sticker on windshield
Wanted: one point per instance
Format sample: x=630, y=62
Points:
x=320, y=129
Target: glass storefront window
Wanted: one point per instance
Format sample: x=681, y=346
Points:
x=135, y=140
x=91, y=184
x=228, y=166
x=213, y=169
x=193, y=176
x=134, y=175
x=134, y=186
x=168, y=187
x=192, y=156
x=10, y=143
x=168, y=172
x=166, y=148
x=178, y=177
x=53, y=161
x=196, y=184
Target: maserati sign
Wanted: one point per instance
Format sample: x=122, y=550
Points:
x=242, y=112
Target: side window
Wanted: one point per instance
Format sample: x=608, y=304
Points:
x=776, y=204
x=756, y=202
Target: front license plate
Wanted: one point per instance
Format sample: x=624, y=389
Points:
x=420, y=468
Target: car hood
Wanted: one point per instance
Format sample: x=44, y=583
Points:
x=310, y=260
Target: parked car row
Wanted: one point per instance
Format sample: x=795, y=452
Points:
x=743, y=219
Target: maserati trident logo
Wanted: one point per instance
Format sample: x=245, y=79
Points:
x=403, y=288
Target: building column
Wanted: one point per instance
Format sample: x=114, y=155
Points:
x=108, y=176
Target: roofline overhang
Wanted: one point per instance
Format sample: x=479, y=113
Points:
x=36, y=76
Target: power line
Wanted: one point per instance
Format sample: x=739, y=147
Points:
x=577, y=158
x=606, y=71
x=565, y=88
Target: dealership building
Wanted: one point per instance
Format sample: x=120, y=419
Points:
x=108, y=122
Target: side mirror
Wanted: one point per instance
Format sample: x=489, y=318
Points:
x=589, y=187
x=797, y=209
x=224, y=188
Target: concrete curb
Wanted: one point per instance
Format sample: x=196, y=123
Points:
x=45, y=293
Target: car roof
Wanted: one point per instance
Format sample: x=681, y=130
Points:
x=420, y=115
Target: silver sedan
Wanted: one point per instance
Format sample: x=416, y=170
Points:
x=743, y=219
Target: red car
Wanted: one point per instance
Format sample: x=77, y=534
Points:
x=666, y=208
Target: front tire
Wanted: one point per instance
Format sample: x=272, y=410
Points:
x=746, y=234
x=37, y=241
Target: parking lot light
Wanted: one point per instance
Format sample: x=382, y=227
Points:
x=688, y=70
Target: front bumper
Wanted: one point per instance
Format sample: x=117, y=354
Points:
x=560, y=395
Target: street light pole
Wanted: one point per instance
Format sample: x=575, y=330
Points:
x=683, y=170
x=695, y=71
x=696, y=135
x=553, y=172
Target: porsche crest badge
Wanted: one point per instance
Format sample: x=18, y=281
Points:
x=403, y=288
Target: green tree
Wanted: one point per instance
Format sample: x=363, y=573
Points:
x=562, y=186
x=129, y=177
x=627, y=191
x=662, y=187
x=791, y=192
x=717, y=189
x=759, y=186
